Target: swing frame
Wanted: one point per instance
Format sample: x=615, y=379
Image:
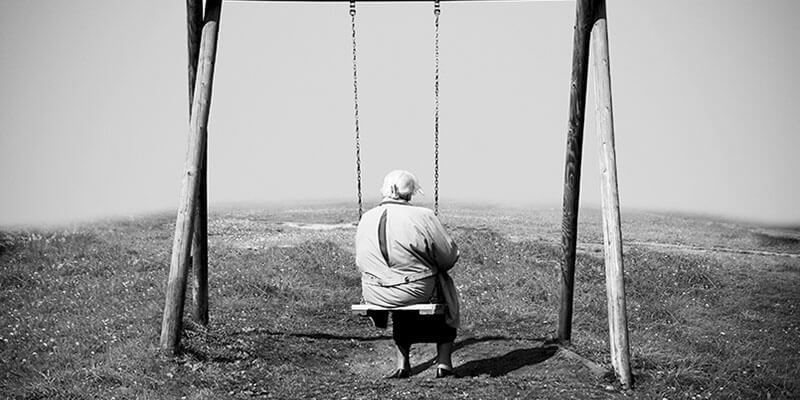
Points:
x=190, y=243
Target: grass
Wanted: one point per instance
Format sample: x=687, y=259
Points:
x=82, y=311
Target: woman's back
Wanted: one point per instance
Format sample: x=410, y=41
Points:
x=399, y=250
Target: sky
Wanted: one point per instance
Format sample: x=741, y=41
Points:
x=94, y=109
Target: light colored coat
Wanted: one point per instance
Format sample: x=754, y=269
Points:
x=419, y=253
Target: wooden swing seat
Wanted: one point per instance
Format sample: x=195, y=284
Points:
x=422, y=309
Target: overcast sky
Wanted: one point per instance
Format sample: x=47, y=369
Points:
x=93, y=106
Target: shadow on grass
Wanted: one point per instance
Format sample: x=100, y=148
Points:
x=496, y=366
x=230, y=347
x=311, y=335
x=511, y=361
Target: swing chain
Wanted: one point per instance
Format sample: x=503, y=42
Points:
x=436, y=12
x=355, y=106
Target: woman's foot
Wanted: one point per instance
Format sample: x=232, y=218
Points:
x=442, y=372
x=400, y=373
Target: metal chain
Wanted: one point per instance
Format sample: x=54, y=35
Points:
x=436, y=12
x=355, y=106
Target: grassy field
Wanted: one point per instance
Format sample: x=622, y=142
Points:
x=713, y=311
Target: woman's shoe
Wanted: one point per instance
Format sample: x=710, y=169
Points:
x=400, y=374
x=444, y=372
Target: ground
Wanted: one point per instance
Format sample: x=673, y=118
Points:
x=712, y=309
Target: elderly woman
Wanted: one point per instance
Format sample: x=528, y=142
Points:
x=404, y=253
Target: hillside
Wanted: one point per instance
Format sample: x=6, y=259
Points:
x=713, y=310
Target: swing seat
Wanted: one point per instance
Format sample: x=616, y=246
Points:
x=422, y=309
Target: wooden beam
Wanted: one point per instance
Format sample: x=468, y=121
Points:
x=612, y=231
x=182, y=242
x=200, y=248
x=194, y=24
x=194, y=27
x=584, y=16
x=200, y=242
x=395, y=1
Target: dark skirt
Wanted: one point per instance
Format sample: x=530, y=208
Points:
x=409, y=327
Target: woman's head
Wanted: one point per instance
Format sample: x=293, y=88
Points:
x=400, y=184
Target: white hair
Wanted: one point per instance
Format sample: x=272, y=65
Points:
x=400, y=184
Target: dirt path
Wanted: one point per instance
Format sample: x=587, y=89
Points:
x=598, y=247
x=714, y=249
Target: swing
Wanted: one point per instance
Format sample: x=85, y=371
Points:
x=424, y=308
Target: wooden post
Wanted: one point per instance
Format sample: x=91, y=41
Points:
x=194, y=14
x=194, y=28
x=201, y=104
x=572, y=171
x=612, y=231
x=200, y=248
